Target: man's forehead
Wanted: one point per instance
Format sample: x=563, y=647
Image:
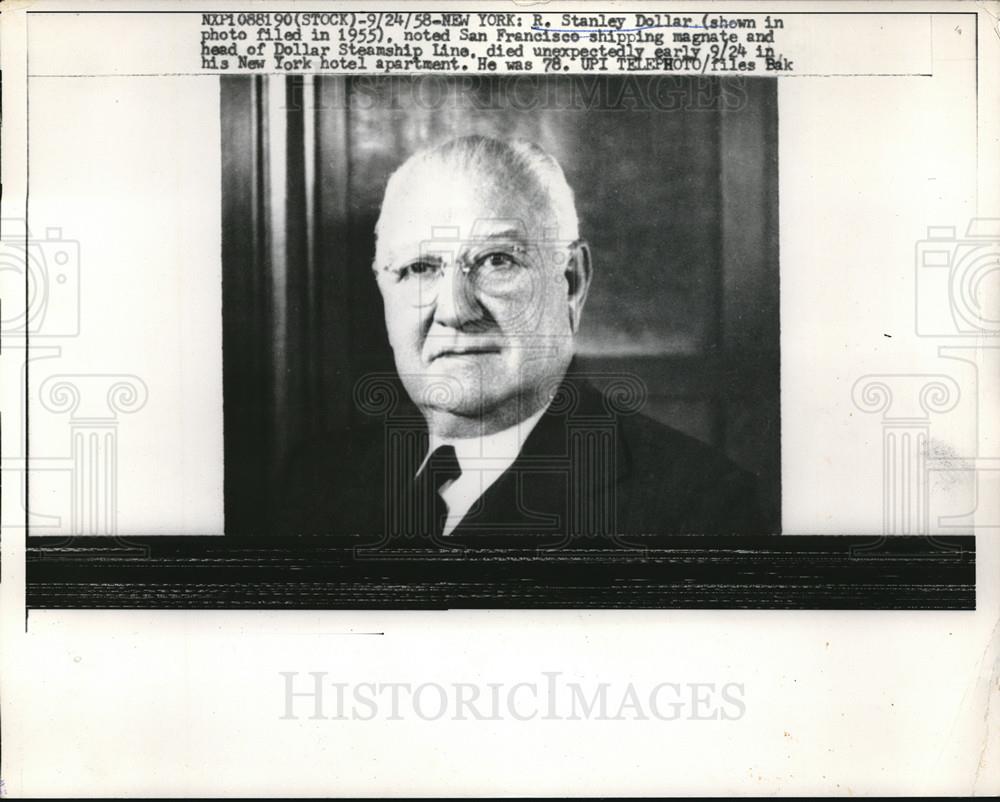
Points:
x=457, y=206
x=449, y=190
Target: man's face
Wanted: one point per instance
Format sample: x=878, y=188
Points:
x=480, y=306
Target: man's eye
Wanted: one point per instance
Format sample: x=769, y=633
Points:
x=417, y=269
x=498, y=260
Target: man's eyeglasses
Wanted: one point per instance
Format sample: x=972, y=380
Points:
x=493, y=270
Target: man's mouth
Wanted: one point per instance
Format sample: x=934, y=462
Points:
x=465, y=350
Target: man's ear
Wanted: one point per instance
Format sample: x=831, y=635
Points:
x=578, y=274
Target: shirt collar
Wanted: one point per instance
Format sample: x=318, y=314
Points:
x=499, y=447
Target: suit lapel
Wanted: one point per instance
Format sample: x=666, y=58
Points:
x=564, y=483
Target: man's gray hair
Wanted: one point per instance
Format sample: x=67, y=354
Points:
x=515, y=164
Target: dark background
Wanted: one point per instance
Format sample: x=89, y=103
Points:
x=676, y=187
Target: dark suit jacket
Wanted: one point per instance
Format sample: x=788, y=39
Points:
x=592, y=473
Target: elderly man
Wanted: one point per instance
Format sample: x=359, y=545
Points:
x=484, y=278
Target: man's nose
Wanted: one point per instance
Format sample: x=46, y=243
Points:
x=456, y=305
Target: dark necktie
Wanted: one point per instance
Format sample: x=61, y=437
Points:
x=441, y=467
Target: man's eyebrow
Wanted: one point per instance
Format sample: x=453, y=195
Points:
x=507, y=233
x=418, y=251
x=404, y=255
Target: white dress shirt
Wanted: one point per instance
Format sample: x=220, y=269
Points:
x=482, y=460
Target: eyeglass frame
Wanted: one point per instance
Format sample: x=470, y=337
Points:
x=466, y=267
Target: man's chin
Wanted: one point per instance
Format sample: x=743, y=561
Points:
x=462, y=385
x=456, y=394
x=475, y=370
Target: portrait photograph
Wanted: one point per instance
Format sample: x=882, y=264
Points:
x=603, y=357
x=508, y=400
